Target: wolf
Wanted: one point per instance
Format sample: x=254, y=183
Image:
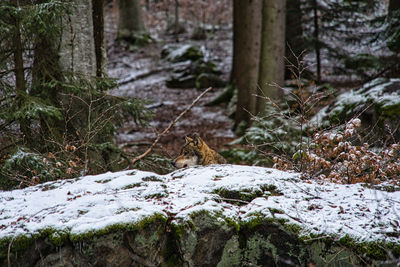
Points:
x=196, y=152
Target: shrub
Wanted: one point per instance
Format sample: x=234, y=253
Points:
x=335, y=156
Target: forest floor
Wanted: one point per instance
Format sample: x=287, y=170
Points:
x=124, y=63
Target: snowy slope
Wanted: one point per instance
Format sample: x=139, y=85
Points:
x=94, y=202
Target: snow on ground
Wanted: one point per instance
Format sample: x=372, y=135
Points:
x=94, y=202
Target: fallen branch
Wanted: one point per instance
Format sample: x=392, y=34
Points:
x=142, y=75
x=168, y=128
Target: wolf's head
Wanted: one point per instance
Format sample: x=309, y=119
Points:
x=190, y=154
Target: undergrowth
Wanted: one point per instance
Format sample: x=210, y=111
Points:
x=287, y=137
x=334, y=156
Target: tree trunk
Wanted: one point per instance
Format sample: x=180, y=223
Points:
x=294, y=36
x=316, y=40
x=99, y=38
x=394, y=5
x=77, y=51
x=246, y=56
x=272, y=65
x=130, y=19
x=176, y=31
x=19, y=74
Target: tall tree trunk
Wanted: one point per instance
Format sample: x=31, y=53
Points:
x=176, y=31
x=272, y=65
x=316, y=40
x=294, y=35
x=394, y=5
x=99, y=38
x=82, y=52
x=19, y=74
x=394, y=15
x=246, y=56
x=130, y=19
x=77, y=51
x=18, y=61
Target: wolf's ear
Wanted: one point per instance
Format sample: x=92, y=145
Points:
x=188, y=139
x=197, y=140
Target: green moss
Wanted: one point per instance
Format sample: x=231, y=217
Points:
x=157, y=195
x=123, y=210
x=129, y=186
x=256, y=220
x=157, y=218
x=152, y=179
x=374, y=250
x=309, y=238
x=19, y=243
x=48, y=187
x=394, y=248
x=4, y=243
x=58, y=238
x=233, y=224
x=103, y=181
x=387, y=111
x=293, y=228
x=195, y=214
x=272, y=189
x=245, y=195
x=83, y=236
x=275, y=210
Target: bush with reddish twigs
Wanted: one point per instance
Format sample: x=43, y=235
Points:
x=334, y=156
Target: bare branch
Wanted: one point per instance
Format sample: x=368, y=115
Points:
x=168, y=128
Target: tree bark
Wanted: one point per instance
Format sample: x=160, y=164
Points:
x=130, y=19
x=246, y=56
x=294, y=35
x=394, y=5
x=316, y=40
x=77, y=50
x=18, y=60
x=272, y=65
x=99, y=37
x=176, y=31
x=19, y=74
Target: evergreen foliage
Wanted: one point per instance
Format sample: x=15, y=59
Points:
x=53, y=123
x=351, y=34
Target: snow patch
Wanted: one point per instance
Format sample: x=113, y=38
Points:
x=94, y=202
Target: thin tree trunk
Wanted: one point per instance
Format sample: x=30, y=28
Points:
x=294, y=35
x=316, y=41
x=272, y=67
x=394, y=5
x=176, y=31
x=19, y=73
x=18, y=61
x=99, y=39
x=246, y=56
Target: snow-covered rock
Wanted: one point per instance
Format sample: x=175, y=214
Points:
x=234, y=199
x=376, y=103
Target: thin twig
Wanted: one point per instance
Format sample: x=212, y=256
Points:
x=168, y=128
x=9, y=251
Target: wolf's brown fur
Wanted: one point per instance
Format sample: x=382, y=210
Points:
x=196, y=152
